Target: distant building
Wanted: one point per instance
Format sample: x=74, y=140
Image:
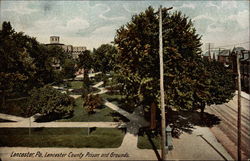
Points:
x=244, y=66
x=228, y=58
x=213, y=54
x=54, y=39
x=224, y=57
x=75, y=51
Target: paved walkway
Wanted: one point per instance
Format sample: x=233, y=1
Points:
x=75, y=96
x=136, y=122
x=244, y=95
x=11, y=117
x=117, y=109
x=201, y=144
x=80, y=76
x=97, y=85
x=27, y=124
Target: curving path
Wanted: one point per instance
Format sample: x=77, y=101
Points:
x=188, y=147
x=136, y=121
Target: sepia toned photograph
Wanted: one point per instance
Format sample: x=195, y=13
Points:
x=124, y=80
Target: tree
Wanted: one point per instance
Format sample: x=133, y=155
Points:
x=85, y=60
x=69, y=68
x=16, y=65
x=186, y=76
x=44, y=58
x=24, y=63
x=221, y=83
x=49, y=101
x=91, y=102
x=104, y=58
x=86, y=63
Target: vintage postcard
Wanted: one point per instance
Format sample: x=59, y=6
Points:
x=124, y=80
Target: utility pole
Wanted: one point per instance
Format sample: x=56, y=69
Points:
x=239, y=106
x=218, y=55
x=163, y=116
x=209, y=51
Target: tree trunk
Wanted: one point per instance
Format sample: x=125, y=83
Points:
x=3, y=100
x=153, y=116
x=203, y=105
x=88, y=124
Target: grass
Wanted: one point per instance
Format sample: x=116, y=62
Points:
x=118, y=100
x=80, y=114
x=114, y=98
x=94, y=81
x=76, y=84
x=145, y=143
x=61, y=137
x=71, y=84
x=14, y=107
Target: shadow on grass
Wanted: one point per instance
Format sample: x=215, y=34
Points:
x=92, y=129
x=153, y=146
x=118, y=117
x=119, y=100
x=54, y=116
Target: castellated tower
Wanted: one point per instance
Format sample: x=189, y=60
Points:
x=54, y=39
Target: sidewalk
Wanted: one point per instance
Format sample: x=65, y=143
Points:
x=244, y=95
x=187, y=147
x=11, y=117
x=201, y=144
x=27, y=124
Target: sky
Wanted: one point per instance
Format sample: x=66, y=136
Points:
x=92, y=23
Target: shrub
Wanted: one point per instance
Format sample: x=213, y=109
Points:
x=91, y=102
x=49, y=101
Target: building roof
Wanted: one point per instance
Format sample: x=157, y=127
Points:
x=238, y=49
x=212, y=52
x=246, y=55
x=54, y=44
x=225, y=52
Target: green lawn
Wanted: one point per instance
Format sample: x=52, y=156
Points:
x=118, y=100
x=112, y=97
x=14, y=107
x=145, y=143
x=80, y=114
x=61, y=137
x=76, y=84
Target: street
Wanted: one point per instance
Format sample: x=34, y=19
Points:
x=228, y=126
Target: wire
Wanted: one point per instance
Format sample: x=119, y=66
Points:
x=230, y=45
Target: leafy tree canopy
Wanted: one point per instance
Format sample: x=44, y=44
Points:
x=104, y=58
x=185, y=74
x=47, y=100
x=25, y=63
x=85, y=60
x=69, y=68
